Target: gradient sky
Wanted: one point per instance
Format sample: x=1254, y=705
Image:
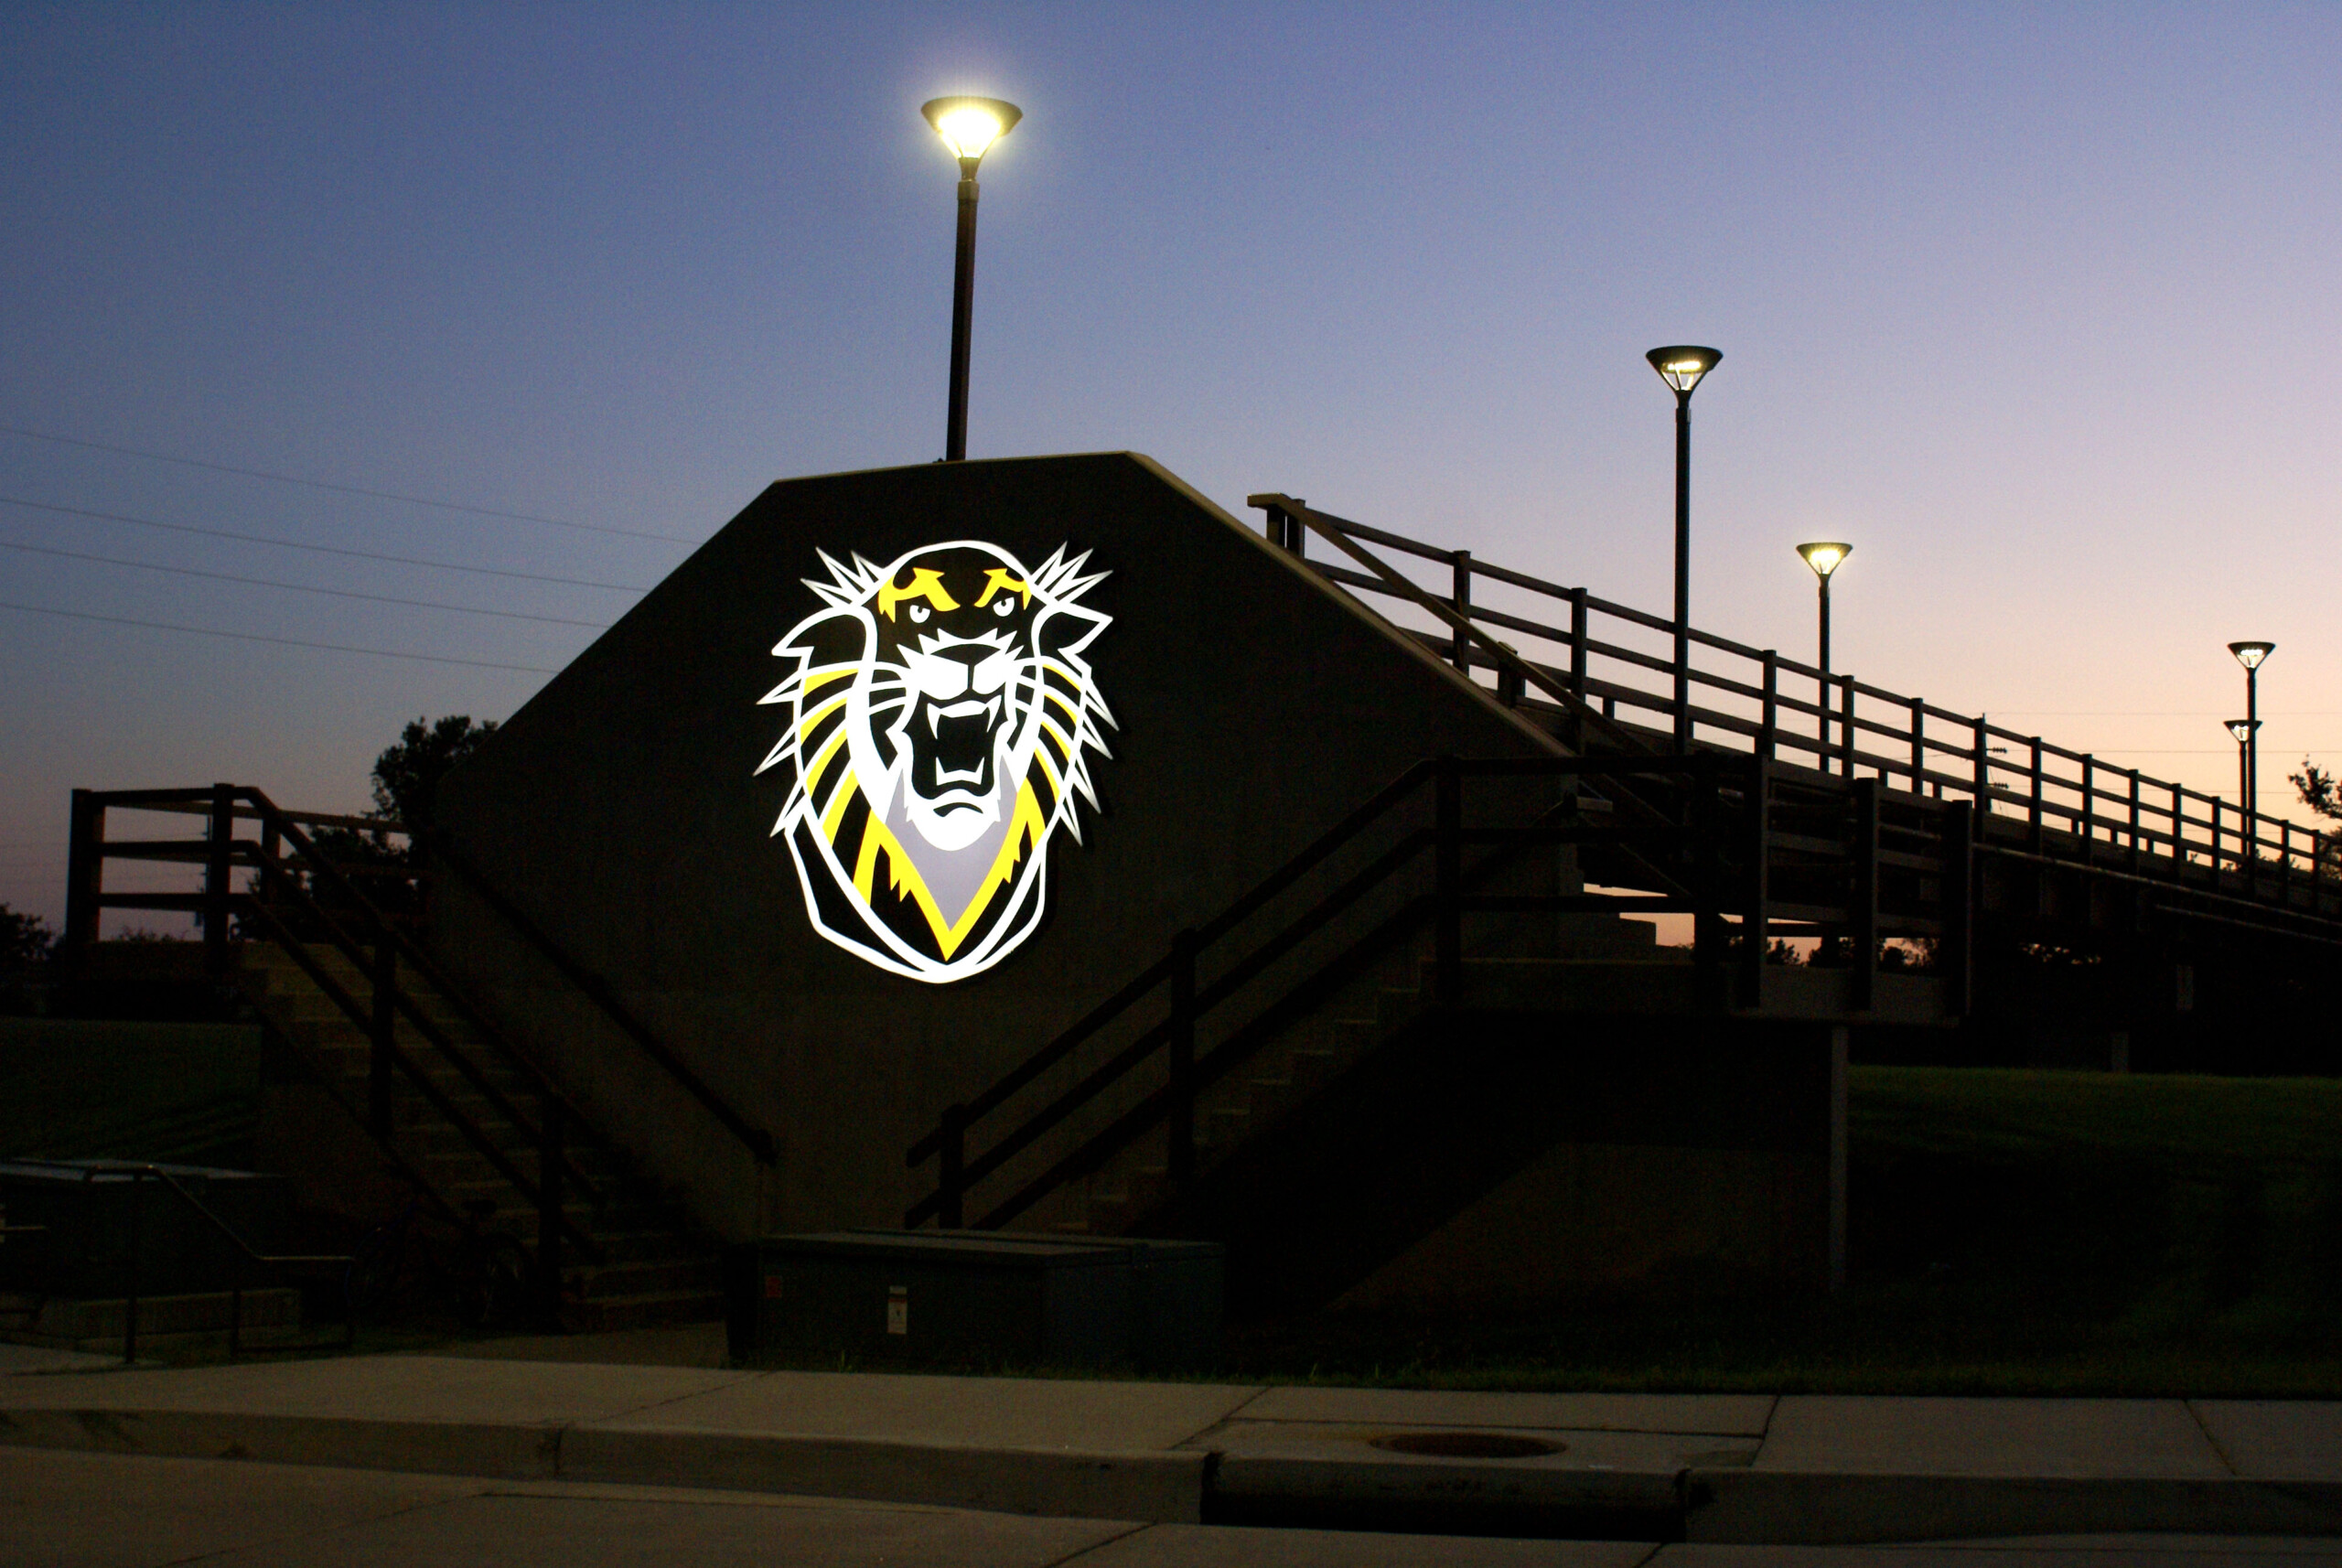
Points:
x=2033, y=303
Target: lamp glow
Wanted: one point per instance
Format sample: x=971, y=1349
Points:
x=1682, y=365
x=969, y=126
x=2250, y=654
x=1824, y=555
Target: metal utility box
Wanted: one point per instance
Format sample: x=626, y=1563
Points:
x=99, y=1222
x=960, y=1296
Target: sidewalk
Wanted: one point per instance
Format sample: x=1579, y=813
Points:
x=1719, y=1468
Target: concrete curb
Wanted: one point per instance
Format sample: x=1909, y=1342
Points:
x=1156, y=1488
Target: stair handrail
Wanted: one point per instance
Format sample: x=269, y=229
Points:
x=947, y=1139
x=417, y=957
x=755, y=1139
x=139, y=1171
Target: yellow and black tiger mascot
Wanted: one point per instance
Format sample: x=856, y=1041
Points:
x=941, y=722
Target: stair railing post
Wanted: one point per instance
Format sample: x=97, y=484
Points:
x=1983, y=788
x=1918, y=745
x=1180, y=1158
x=219, y=870
x=1756, y=930
x=1577, y=643
x=2090, y=804
x=1846, y=729
x=550, y=1159
x=2178, y=833
x=1447, y=884
x=84, y=878
x=1460, y=599
x=2134, y=821
x=381, y=1042
x=951, y=1161
x=2033, y=814
x=1768, y=727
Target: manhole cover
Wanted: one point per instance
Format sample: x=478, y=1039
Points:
x=1467, y=1445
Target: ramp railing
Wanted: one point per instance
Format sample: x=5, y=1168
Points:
x=1617, y=663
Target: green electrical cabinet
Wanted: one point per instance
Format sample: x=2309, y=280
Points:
x=969, y=1297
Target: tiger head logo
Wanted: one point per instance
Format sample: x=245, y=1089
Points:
x=941, y=722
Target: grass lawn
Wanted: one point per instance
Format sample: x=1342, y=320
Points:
x=2010, y=1232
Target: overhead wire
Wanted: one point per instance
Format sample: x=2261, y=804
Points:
x=280, y=641
x=342, y=489
x=317, y=548
x=296, y=587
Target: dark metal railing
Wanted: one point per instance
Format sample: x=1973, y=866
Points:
x=1712, y=821
x=1747, y=699
x=282, y=902
x=140, y=1173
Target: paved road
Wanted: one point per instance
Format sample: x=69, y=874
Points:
x=61, y=1509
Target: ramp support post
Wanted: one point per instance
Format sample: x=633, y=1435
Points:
x=1957, y=960
x=1864, y=916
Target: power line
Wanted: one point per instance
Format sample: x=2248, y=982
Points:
x=342, y=489
x=318, y=549
x=297, y=587
x=280, y=641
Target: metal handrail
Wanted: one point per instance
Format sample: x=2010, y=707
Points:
x=139, y=1171
x=758, y=1141
x=1710, y=894
x=2289, y=864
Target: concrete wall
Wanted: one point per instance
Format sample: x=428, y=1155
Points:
x=620, y=808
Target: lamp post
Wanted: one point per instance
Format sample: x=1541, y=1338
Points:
x=2249, y=655
x=1823, y=556
x=1681, y=366
x=968, y=126
x=2242, y=730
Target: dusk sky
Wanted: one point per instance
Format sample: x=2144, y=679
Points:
x=2037, y=306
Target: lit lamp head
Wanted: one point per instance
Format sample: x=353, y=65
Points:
x=2242, y=729
x=2250, y=654
x=969, y=126
x=1824, y=555
x=1682, y=365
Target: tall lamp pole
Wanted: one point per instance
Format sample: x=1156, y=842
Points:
x=1823, y=556
x=968, y=126
x=1681, y=366
x=2249, y=655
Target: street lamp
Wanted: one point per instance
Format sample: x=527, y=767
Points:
x=968, y=126
x=2249, y=655
x=2242, y=729
x=1823, y=556
x=1681, y=366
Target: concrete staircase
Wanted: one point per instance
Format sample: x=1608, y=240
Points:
x=653, y=1269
